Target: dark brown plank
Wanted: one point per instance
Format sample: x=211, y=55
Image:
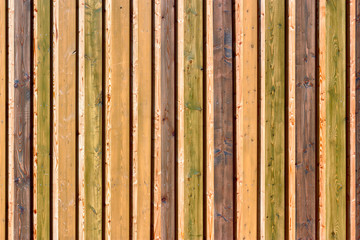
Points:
x=223, y=119
x=168, y=119
x=22, y=132
x=305, y=120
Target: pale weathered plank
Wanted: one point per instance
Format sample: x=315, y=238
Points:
x=156, y=185
x=41, y=118
x=274, y=103
x=64, y=120
x=20, y=88
x=209, y=95
x=117, y=70
x=332, y=46
x=193, y=119
x=223, y=120
x=305, y=119
x=3, y=120
x=168, y=119
x=246, y=88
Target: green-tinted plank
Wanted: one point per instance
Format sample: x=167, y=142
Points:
x=193, y=131
x=93, y=119
x=274, y=119
x=42, y=119
x=335, y=78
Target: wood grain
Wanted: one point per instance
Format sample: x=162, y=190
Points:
x=209, y=96
x=117, y=202
x=64, y=120
x=20, y=81
x=168, y=119
x=223, y=120
x=93, y=118
x=355, y=42
x=305, y=120
x=333, y=112
x=41, y=108
x=3, y=120
x=274, y=119
x=193, y=119
x=156, y=185
x=180, y=118
x=246, y=88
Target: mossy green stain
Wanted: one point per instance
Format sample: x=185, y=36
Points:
x=43, y=119
x=335, y=71
x=93, y=119
x=274, y=119
x=193, y=77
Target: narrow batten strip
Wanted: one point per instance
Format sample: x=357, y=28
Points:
x=291, y=120
x=81, y=116
x=180, y=120
x=209, y=78
x=157, y=121
x=11, y=117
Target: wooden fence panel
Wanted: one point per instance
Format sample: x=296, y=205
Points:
x=182, y=119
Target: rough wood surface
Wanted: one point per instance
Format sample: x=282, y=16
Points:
x=3, y=120
x=64, y=120
x=223, y=120
x=356, y=44
x=93, y=119
x=117, y=72
x=41, y=128
x=305, y=120
x=193, y=119
x=168, y=119
x=246, y=88
x=333, y=113
x=274, y=119
x=20, y=81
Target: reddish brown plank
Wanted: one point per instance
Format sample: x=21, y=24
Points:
x=357, y=113
x=305, y=120
x=22, y=127
x=223, y=119
x=168, y=119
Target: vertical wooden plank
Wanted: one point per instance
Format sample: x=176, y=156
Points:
x=351, y=48
x=144, y=119
x=305, y=119
x=90, y=120
x=193, y=119
x=11, y=115
x=246, y=88
x=180, y=121
x=117, y=119
x=20, y=129
x=41, y=105
x=3, y=120
x=274, y=61
x=64, y=120
x=168, y=119
x=156, y=221
x=223, y=119
x=209, y=95
x=356, y=44
x=332, y=119
x=291, y=131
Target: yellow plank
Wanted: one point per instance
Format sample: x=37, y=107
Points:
x=210, y=234
x=117, y=199
x=11, y=115
x=291, y=121
x=3, y=120
x=157, y=122
x=246, y=68
x=180, y=120
x=64, y=120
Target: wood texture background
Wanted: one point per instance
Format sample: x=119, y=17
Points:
x=179, y=119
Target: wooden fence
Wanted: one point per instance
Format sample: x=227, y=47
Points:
x=180, y=119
